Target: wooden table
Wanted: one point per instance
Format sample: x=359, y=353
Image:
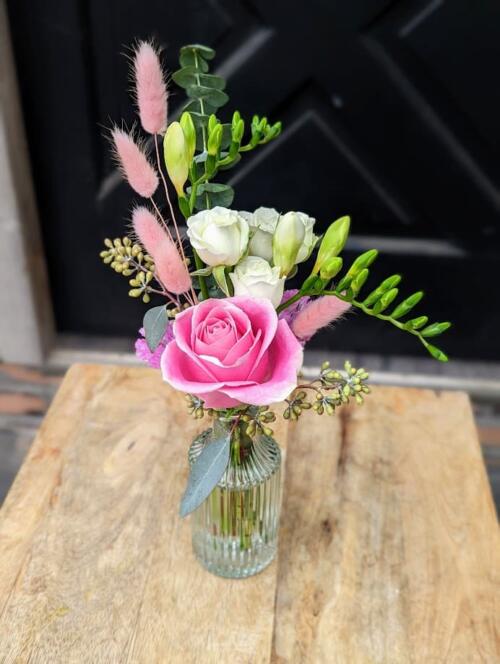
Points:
x=389, y=544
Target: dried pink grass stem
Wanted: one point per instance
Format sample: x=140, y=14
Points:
x=134, y=164
x=150, y=88
x=169, y=266
x=317, y=314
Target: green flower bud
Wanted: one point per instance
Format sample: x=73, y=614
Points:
x=214, y=140
x=287, y=241
x=333, y=242
x=212, y=123
x=189, y=130
x=331, y=268
x=237, y=131
x=176, y=157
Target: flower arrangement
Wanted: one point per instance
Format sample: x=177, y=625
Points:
x=225, y=329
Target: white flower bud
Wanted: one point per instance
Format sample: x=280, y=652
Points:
x=287, y=241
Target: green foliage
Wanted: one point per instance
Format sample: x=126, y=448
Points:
x=381, y=298
x=155, y=325
x=219, y=145
x=206, y=471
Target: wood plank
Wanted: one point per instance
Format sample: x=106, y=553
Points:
x=389, y=549
x=96, y=565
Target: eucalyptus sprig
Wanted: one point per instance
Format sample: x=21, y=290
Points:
x=210, y=144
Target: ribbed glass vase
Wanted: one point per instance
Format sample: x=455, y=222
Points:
x=235, y=531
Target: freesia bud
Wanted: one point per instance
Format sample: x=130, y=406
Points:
x=287, y=241
x=331, y=267
x=176, y=157
x=214, y=140
x=333, y=242
x=189, y=130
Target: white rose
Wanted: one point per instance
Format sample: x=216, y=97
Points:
x=262, y=226
x=219, y=235
x=255, y=277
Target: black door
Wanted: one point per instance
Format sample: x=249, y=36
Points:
x=391, y=113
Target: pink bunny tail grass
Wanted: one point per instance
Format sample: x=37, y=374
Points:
x=136, y=168
x=150, y=88
x=170, y=268
x=318, y=313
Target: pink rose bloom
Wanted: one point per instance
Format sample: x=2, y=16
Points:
x=232, y=351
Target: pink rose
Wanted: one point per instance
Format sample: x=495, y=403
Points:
x=232, y=351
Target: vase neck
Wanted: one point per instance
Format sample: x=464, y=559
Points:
x=242, y=444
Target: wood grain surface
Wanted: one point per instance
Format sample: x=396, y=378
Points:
x=95, y=565
x=389, y=542
x=389, y=545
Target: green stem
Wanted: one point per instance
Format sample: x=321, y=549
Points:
x=290, y=301
x=380, y=316
x=201, y=280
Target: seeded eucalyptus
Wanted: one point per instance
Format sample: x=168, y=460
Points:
x=130, y=260
x=330, y=390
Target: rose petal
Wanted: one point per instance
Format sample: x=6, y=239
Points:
x=285, y=360
x=181, y=372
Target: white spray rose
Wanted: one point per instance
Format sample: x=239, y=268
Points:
x=220, y=236
x=310, y=239
x=262, y=226
x=255, y=277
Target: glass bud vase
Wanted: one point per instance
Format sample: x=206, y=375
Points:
x=235, y=530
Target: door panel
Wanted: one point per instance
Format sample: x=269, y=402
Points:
x=390, y=113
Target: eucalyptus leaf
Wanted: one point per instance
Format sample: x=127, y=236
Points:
x=190, y=59
x=155, y=325
x=205, y=51
x=206, y=471
x=214, y=97
x=216, y=193
x=192, y=77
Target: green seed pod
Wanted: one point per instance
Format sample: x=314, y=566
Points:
x=108, y=243
x=135, y=292
x=146, y=298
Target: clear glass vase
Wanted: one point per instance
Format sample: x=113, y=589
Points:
x=235, y=530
